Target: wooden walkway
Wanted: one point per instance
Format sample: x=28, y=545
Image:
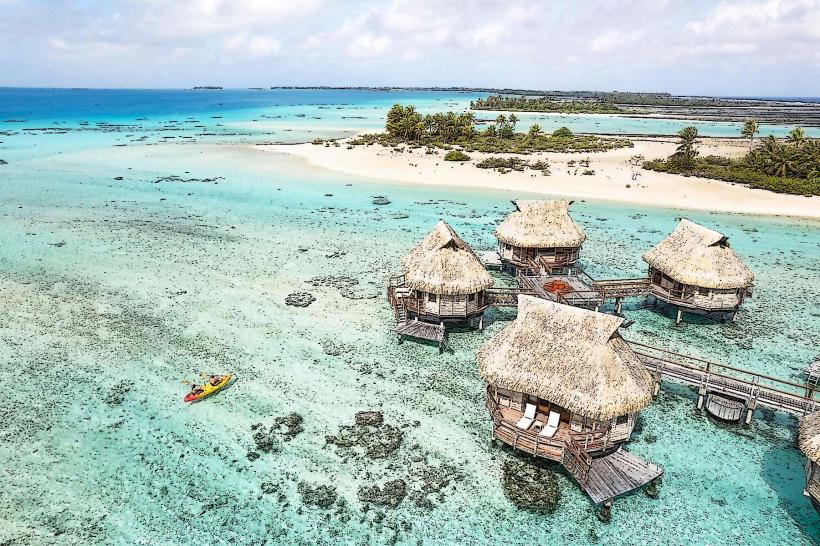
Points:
x=622, y=288
x=618, y=473
x=710, y=377
x=505, y=297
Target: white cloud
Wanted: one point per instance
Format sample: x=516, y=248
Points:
x=638, y=44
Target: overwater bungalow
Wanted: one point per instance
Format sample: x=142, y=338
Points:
x=539, y=235
x=443, y=282
x=810, y=446
x=563, y=385
x=695, y=270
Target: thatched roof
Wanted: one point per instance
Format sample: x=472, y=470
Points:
x=810, y=436
x=570, y=356
x=540, y=224
x=444, y=264
x=698, y=256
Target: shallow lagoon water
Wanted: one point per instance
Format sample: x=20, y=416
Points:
x=110, y=283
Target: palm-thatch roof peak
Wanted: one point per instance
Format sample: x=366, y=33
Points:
x=442, y=263
x=698, y=256
x=570, y=356
x=540, y=224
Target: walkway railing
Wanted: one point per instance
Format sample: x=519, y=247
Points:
x=754, y=387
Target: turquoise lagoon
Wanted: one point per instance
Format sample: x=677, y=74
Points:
x=114, y=291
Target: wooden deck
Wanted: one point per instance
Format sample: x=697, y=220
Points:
x=421, y=330
x=492, y=260
x=603, y=478
x=617, y=474
x=581, y=294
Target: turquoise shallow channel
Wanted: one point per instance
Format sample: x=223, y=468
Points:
x=114, y=291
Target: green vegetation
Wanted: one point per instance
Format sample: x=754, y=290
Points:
x=507, y=164
x=791, y=167
x=544, y=104
x=456, y=155
x=405, y=126
x=749, y=131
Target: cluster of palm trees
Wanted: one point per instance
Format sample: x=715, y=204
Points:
x=797, y=157
x=406, y=123
x=504, y=126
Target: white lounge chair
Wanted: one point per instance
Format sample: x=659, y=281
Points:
x=529, y=416
x=551, y=427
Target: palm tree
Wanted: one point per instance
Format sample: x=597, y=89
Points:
x=686, y=149
x=796, y=137
x=535, y=131
x=782, y=163
x=513, y=120
x=500, y=120
x=749, y=129
x=808, y=158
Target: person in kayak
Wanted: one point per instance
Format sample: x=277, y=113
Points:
x=196, y=390
x=215, y=379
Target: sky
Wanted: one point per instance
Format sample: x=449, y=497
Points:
x=731, y=47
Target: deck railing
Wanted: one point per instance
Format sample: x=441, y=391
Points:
x=577, y=461
x=535, y=444
x=777, y=393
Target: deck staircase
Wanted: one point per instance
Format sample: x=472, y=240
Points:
x=400, y=310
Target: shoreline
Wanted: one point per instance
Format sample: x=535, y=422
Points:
x=614, y=179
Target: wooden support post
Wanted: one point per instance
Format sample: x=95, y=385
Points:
x=652, y=489
x=596, y=308
x=750, y=410
x=605, y=513
x=734, y=315
x=656, y=388
x=678, y=318
x=481, y=324
x=701, y=396
x=617, y=306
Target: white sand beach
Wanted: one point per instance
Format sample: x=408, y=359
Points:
x=615, y=178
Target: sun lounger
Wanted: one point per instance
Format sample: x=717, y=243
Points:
x=551, y=427
x=529, y=416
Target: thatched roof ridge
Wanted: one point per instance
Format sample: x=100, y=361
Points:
x=570, y=356
x=810, y=436
x=442, y=263
x=540, y=224
x=696, y=255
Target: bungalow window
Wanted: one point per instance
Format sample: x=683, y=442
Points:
x=621, y=420
x=656, y=277
x=703, y=291
x=431, y=298
x=470, y=297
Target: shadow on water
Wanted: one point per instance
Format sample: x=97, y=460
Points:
x=784, y=473
x=670, y=312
